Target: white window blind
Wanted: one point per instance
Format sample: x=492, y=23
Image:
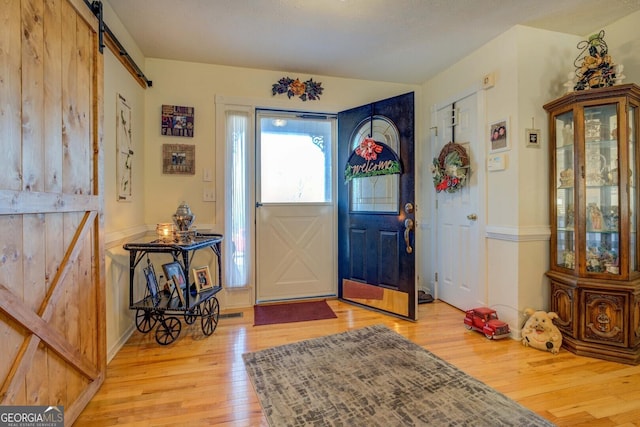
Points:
x=237, y=212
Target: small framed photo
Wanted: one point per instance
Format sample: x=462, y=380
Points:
x=532, y=137
x=179, y=291
x=203, y=278
x=152, y=281
x=499, y=135
x=175, y=276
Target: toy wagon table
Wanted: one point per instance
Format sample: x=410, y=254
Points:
x=165, y=309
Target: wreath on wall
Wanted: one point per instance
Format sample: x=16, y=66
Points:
x=451, y=168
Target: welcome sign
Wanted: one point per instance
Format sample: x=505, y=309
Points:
x=372, y=158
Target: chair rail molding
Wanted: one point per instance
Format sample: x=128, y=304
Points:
x=518, y=234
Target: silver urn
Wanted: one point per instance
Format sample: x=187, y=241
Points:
x=183, y=218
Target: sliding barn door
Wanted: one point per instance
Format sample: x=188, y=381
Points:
x=52, y=316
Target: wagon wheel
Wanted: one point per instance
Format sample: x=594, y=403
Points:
x=145, y=320
x=210, y=313
x=191, y=316
x=168, y=330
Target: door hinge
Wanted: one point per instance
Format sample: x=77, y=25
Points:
x=436, y=277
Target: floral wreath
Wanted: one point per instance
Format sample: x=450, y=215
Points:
x=308, y=90
x=450, y=168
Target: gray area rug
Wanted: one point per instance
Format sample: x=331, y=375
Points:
x=373, y=377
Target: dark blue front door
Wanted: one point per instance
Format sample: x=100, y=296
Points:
x=376, y=257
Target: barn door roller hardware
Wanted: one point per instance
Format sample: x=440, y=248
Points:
x=107, y=38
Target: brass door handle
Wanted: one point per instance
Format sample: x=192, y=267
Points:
x=472, y=217
x=408, y=226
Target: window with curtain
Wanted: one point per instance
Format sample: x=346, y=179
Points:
x=237, y=227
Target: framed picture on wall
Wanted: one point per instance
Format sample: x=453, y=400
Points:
x=124, y=150
x=499, y=135
x=532, y=138
x=179, y=159
x=177, y=120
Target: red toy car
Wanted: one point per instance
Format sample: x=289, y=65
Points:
x=486, y=320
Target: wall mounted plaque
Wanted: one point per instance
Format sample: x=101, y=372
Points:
x=177, y=121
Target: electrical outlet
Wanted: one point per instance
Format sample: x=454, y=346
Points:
x=208, y=195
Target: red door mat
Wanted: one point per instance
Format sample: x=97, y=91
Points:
x=291, y=312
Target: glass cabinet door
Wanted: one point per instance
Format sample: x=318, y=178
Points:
x=602, y=198
x=565, y=191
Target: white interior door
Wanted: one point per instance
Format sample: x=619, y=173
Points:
x=295, y=209
x=459, y=215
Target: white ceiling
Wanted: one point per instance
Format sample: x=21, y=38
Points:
x=403, y=41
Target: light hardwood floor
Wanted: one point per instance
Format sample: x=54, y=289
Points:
x=201, y=381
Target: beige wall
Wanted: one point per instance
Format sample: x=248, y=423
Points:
x=526, y=64
x=529, y=65
x=623, y=39
x=122, y=220
x=122, y=217
x=197, y=85
x=157, y=195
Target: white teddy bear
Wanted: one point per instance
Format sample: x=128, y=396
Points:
x=540, y=332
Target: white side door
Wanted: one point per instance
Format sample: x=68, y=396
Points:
x=295, y=209
x=458, y=247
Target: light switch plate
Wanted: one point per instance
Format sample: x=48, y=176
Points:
x=206, y=175
x=208, y=194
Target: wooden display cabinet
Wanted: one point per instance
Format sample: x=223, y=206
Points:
x=594, y=265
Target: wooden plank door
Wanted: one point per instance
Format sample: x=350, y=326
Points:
x=52, y=316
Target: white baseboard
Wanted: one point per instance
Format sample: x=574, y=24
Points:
x=111, y=353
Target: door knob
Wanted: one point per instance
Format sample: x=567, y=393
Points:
x=472, y=217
